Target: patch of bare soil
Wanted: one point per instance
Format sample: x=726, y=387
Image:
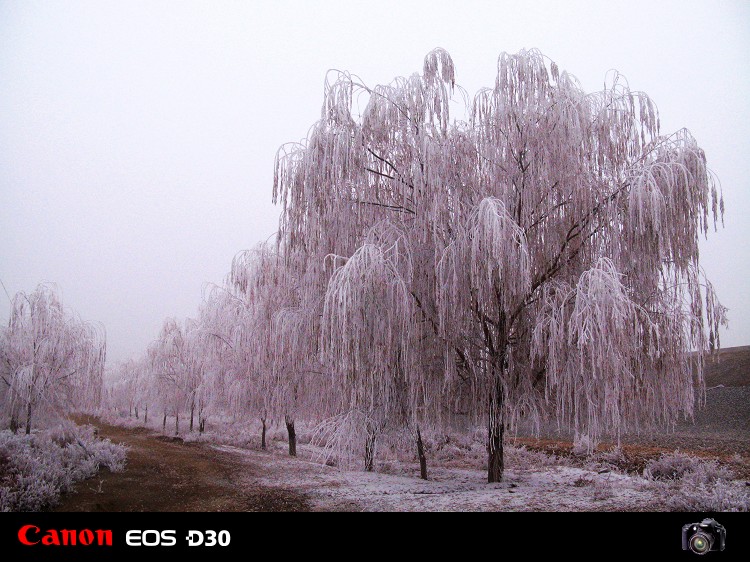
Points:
x=735, y=454
x=166, y=474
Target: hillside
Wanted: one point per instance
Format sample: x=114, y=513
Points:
x=726, y=412
x=721, y=424
x=731, y=368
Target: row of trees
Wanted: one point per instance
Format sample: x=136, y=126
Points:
x=240, y=357
x=535, y=261
x=51, y=362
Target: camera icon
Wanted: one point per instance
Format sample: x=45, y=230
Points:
x=703, y=537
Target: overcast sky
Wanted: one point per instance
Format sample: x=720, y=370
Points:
x=137, y=138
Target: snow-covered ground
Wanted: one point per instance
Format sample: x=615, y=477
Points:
x=542, y=488
x=533, y=480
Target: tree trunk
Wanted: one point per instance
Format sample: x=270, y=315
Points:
x=421, y=455
x=177, y=423
x=370, y=443
x=495, y=427
x=164, y=423
x=263, y=434
x=14, y=422
x=130, y=412
x=192, y=413
x=136, y=413
x=28, y=418
x=145, y=416
x=292, y=436
x=202, y=425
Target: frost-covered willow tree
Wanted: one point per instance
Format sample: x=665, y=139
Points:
x=220, y=323
x=270, y=344
x=552, y=238
x=169, y=363
x=178, y=361
x=292, y=365
x=131, y=382
x=372, y=340
x=197, y=383
x=51, y=362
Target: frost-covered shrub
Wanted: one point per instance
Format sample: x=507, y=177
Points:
x=670, y=466
x=722, y=495
x=706, y=473
x=521, y=458
x=674, y=466
x=613, y=459
x=35, y=469
x=449, y=452
x=692, y=484
x=245, y=433
x=614, y=456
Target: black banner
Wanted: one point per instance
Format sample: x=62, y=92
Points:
x=240, y=536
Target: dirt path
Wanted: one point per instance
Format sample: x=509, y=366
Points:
x=166, y=474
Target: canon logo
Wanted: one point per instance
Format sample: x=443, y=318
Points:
x=31, y=535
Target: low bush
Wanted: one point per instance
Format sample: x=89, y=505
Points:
x=675, y=466
x=35, y=469
x=688, y=483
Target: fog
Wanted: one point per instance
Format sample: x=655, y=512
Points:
x=137, y=138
